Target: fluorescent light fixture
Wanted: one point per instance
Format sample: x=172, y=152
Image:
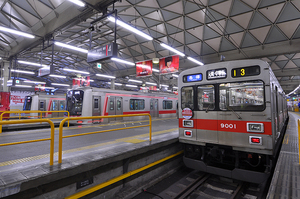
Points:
x=77, y=2
x=151, y=83
x=174, y=75
x=57, y=84
x=59, y=76
x=128, y=27
x=71, y=47
x=22, y=71
x=106, y=76
x=117, y=84
x=33, y=64
x=175, y=87
x=196, y=61
x=137, y=81
x=164, y=85
x=172, y=49
x=27, y=86
x=16, y=32
x=84, y=79
x=129, y=85
x=293, y=91
x=155, y=70
x=75, y=71
x=33, y=82
x=122, y=61
x=45, y=87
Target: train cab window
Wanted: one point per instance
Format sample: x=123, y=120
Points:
x=137, y=104
x=206, y=97
x=74, y=102
x=167, y=104
x=242, y=96
x=187, y=97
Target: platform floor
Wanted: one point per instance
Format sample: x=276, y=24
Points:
x=21, y=163
x=285, y=183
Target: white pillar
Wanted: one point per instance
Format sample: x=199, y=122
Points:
x=112, y=85
x=5, y=76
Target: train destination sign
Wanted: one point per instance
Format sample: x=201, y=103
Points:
x=216, y=74
x=245, y=71
x=187, y=113
x=102, y=53
x=192, y=78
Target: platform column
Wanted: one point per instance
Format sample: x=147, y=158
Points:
x=112, y=85
x=5, y=77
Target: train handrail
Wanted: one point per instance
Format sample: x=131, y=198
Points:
x=98, y=117
x=30, y=141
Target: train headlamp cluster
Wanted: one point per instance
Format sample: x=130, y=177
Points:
x=255, y=127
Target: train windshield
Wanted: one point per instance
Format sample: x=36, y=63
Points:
x=74, y=102
x=187, y=97
x=206, y=97
x=27, y=103
x=242, y=96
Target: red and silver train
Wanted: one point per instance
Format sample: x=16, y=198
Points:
x=89, y=101
x=232, y=119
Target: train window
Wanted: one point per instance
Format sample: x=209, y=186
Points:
x=167, y=104
x=187, y=97
x=96, y=103
x=112, y=105
x=206, y=97
x=41, y=105
x=137, y=104
x=74, y=102
x=242, y=96
x=119, y=105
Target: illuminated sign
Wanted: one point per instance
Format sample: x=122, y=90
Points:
x=192, y=78
x=245, y=71
x=102, y=53
x=216, y=74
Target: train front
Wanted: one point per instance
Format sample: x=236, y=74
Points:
x=74, y=104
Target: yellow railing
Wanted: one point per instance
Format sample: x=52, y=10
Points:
x=29, y=141
x=97, y=117
x=40, y=115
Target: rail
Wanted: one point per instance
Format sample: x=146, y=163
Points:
x=97, y=117
x=39, y=112
x=38, y=140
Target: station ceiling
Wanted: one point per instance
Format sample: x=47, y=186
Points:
x=202, y=29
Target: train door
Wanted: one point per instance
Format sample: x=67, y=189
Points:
x=154, y=107
x=96, y=108
x=115, y=107
x=42, y=106
x=54, y=107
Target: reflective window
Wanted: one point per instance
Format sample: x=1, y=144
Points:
x=242, y=96
x=137, y=104
x=119, y=105
x=96, y=103
x=187, y=97
x=27, y=103
x=206, y=97
x=41, y=105
x=112, y=105
x=167, y=104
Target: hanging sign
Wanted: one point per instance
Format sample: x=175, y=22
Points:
x=102, y=53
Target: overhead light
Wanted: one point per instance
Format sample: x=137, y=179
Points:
x=77, y=2
x=129, y=85
x=59, y=76
x=137, y=81
x=57, y=84
x=71, y=47
x=128, y=27
x=45, y=87
x=122, y=61
x=106, y=76
x=75, y=71
x=16, y=32
x=22, y=71
x=155, y=70
x=174, y=75
x=117, y=84
x=84, y=79
x=151, y=83
x=164, y=85
x=172, y=49
x=33, y=64
x=27, y=86
x=175, y=87
x=33, y=82
x=155, y=60
x=196, y=61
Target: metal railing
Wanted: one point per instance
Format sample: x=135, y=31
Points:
x=98, y=117
x=40, y=115
x=29, y=141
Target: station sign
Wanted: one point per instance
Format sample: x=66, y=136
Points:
x=102, y=53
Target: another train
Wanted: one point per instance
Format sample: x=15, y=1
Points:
x=90, y=101
x=232, y=119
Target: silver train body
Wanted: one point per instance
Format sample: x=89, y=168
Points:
x=89, y=101
x=232, y=119
x=44, y=102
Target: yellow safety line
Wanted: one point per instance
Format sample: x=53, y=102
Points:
x=119, y=178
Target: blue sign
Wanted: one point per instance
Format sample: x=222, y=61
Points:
x=194, y=78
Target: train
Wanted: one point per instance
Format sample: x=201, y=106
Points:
x=91, y=101
x=232, y=119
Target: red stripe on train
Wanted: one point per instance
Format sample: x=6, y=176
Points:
x=167, y=112
x=227, y=125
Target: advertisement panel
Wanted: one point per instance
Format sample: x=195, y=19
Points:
x=4, y=103
x=169, y=64
x=144, y=68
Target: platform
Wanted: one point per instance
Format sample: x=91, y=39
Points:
x=29, y=168
x=286, y=179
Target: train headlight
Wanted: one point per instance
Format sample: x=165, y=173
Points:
x=255, y=127
x=188, y=123
x=188, y=133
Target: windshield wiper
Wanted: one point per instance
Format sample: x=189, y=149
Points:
x=206, y=110
x=237, y=115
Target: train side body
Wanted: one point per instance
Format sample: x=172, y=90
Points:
x=238, y=134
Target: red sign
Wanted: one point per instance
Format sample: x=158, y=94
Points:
x=169, y=64
x=144, y=68
x=187, y=113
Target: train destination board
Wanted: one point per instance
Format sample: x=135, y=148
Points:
x=192, y=78
x=216, y=74
x=102, y=53
x=245, y=71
